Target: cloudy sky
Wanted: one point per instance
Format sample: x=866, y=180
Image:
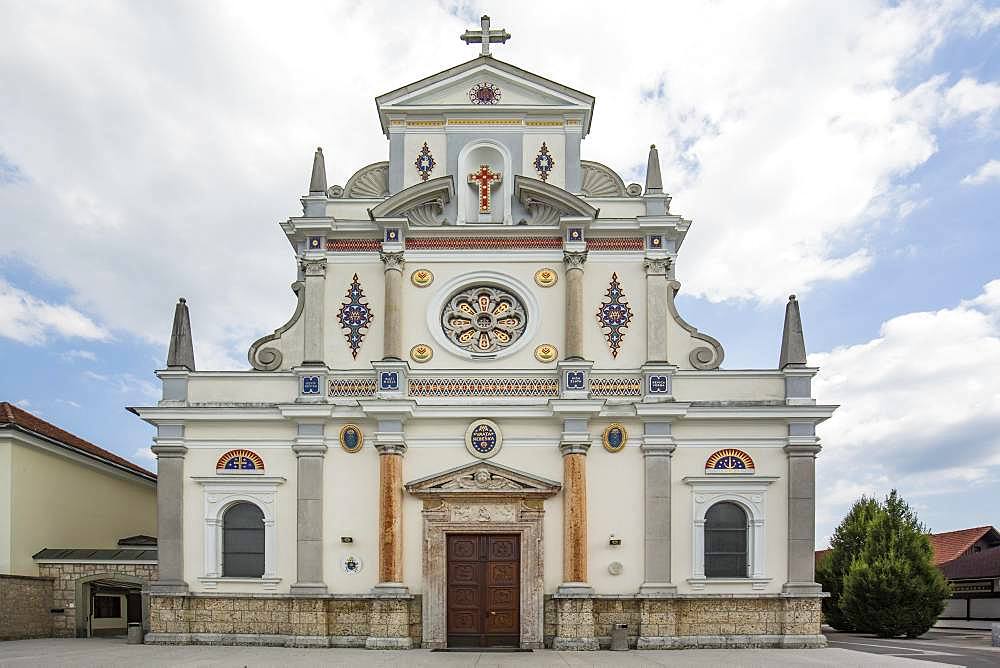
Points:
x=847, y=152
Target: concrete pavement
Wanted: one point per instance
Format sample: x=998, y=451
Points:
x=960, y=648
x=104, y=652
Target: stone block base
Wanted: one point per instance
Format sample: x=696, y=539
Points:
x=365, y=620
x=685, y=621
x=732, y=642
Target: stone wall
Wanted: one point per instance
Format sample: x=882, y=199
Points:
x=703, y=621
x=25, y=603
x=323, y=621
x=66, y=578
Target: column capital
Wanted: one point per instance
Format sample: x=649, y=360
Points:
x=579, y=448
x=169, y=450
x=309, y=449
x=574, y=259
x=314, y=266
x=393, y=261
x=802, y=449
x=657, y=266
x=658, y=446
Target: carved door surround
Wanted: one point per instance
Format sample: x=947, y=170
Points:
x=483, y=498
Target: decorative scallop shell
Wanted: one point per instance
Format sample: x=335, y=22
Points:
x=369, y=182
x=600, y=180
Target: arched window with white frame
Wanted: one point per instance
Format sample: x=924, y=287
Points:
x=728, y=544
x=726, y=541
x=243, y=541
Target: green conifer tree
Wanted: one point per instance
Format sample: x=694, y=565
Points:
x=892, y=588
x=846, y=545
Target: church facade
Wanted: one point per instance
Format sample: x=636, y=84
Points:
x=485, y=422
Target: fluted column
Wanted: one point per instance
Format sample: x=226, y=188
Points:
x=574, y=261
x=313, y=314
x=392, y=347
x=310, y=451
x=802, y=448
x=170, y=450
x=656, y=308
x=391, y=445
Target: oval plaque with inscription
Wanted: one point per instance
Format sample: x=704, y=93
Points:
x=483, y=439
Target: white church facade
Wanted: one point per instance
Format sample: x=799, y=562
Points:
x=485, y=423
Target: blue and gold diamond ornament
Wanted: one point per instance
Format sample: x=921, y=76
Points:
x=544, y=162
x=425, y=162
x=355, y=315
x=614, y=315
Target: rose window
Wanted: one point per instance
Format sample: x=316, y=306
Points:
x=483, y=319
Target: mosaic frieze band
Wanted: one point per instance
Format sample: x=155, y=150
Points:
x=612, y=244
x=600, y=386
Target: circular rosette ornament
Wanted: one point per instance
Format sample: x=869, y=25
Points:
x=483, y=319
x=485, y=93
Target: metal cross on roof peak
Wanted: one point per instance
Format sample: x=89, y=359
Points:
x=485, y=36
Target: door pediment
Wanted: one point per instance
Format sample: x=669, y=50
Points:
x=482, y=480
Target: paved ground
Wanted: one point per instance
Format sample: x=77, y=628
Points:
x=961, y=648
x=104, y=652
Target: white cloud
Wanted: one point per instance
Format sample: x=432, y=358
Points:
x=126, y=383
x=30, y=320
x=159, y=146
x=144, y=453
x=71, y=355
x=988, y=171
x=920, y=406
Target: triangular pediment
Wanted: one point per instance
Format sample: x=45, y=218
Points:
x=481, y=478
x=521, y=91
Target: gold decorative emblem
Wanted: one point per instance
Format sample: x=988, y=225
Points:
x=614, y=437
x=422, y=278
x=351, y=437
x=421, y=352
x=546, y=353
x=546, y=277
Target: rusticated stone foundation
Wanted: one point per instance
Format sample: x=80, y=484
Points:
x=684, y=621
x=25, y=602
x=372, y=621
x=574, y=624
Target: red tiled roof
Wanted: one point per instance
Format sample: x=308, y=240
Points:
x=985, y=564
x=952, y=544
x=11, y=415
x=947, y=546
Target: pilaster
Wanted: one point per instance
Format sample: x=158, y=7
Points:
x=657, y=456
x=169, y=448
x=313, y=315
x=657, y=269
x=802, y=448
x=310, y=451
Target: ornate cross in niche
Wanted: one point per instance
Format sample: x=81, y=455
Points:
x=485, y=180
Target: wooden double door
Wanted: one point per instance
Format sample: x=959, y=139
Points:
x=484, y=590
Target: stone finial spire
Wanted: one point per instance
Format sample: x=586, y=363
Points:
x=181, y=353
x=793, y=343
x=654, y=182
x=317, y=184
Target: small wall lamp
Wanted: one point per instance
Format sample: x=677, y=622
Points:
x=347, y=539
x=613, y=540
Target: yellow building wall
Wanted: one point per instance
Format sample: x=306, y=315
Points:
x=58, y=502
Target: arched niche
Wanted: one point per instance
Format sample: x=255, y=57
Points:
x=471, y=158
